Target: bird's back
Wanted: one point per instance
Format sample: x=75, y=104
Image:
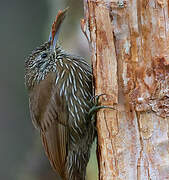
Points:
x=59, y=108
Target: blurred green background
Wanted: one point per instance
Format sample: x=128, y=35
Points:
x=25, y=24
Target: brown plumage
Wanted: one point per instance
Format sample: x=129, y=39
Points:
x=60, y=89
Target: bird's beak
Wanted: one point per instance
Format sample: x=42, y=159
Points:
x=56, y=27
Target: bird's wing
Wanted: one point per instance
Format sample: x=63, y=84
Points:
x=49, y=113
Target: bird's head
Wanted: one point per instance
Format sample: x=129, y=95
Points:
x=43, y=57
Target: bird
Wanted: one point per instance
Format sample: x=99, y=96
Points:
x=59, y=87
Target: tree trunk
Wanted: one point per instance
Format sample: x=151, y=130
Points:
x=129, y=42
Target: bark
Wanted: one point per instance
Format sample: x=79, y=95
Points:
x=129, y=42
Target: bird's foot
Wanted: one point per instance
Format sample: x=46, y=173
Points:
x=97, y=107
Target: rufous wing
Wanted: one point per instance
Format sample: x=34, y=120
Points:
x=49, y=114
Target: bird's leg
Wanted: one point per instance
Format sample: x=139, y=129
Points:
x=96, y=107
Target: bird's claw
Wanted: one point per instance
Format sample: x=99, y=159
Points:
x=97, y=107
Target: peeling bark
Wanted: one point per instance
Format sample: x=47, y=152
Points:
x=129, y=43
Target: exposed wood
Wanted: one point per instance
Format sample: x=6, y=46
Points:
x=129, y=43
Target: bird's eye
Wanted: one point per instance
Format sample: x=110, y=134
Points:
x=44, y=55
x=30, y=62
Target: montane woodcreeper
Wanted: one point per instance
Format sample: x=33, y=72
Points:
x=60, y=89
